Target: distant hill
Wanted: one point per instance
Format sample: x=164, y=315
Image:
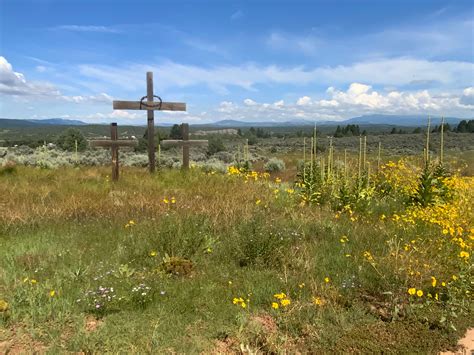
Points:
x=391, y=120
x=385, y=120
x=398, y=120
x=7, y=122
x=235, y=123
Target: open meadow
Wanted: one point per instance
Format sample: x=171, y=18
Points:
x=336, y=253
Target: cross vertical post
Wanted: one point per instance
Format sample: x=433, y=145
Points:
x=151, y=123
x=114, y=148
x=149, y=105
x=114, y=143
x=185, y=143
x=185, y=134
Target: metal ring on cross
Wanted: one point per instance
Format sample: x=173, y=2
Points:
x=152, y=106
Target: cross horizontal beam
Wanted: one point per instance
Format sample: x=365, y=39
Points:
x=113, y=143
x=149, y=105
x=180, y=143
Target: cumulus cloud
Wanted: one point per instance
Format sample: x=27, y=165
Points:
x=467, y=97
x=15, y=84
x=357, y=99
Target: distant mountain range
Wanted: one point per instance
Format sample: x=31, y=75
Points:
x=6, y=122
x=391, y=120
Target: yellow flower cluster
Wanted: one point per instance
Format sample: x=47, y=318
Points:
x=413, y=291
x=167, y=201
x=400, y=176
x=130, y=224
x=239, y=301
x=247, y=175
x=318, y=301
x=283, y=299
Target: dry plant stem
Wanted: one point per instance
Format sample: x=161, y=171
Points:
x=427, y=159
x=441, y=154
x=312, y=157
x=304, y=157
x=378, y=157
x=365, y=151
x=359, y=173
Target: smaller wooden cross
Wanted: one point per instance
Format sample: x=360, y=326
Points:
x=185, y=143
x=114, y=143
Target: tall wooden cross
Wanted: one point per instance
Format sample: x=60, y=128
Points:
x=150, y=106
x=185, y=143
x=114, y=143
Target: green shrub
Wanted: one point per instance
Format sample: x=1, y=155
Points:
x=215, y=145
x=67, y=140
x=274, y=165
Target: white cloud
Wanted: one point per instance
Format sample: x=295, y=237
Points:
x=358, y=99
x=100, y=98
x=249, y=102
x=387, y=72
x=81, y=28
x=15, y=84
x=467, y=97
x=304, y=101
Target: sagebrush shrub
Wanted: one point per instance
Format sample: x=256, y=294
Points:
x=274, y=165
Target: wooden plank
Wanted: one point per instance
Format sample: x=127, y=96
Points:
x=151, y=123
x=135, y=105
x=180, y=143
x=109, y=143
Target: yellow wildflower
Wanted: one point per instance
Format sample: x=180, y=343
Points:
x=166, y=201
x=464, y=254
x=318, y=301
x=275, y=305
x=412, y=291
x=33, y=281
x=326, y=280
x=285, y=302
x=52, y=293
x=258, y=201
x=153, y=253
x=279, y=296
x=301, y=285
x=419, y=293
x=433, y=281
x=173, y=200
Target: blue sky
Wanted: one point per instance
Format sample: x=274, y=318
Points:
x=247, y=60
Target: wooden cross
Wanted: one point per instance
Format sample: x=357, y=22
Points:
x=150, y=106
x=185, y=143
x=114, y=143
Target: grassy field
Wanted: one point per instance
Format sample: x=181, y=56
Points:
x=232, y=263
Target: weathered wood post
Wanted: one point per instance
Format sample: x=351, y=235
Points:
x=150, y=105
x=114, y=148
x=151, y=122
x=114, y=143
x=185, y=143
x=185, y=135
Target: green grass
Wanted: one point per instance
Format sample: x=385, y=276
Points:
x=66, y=229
